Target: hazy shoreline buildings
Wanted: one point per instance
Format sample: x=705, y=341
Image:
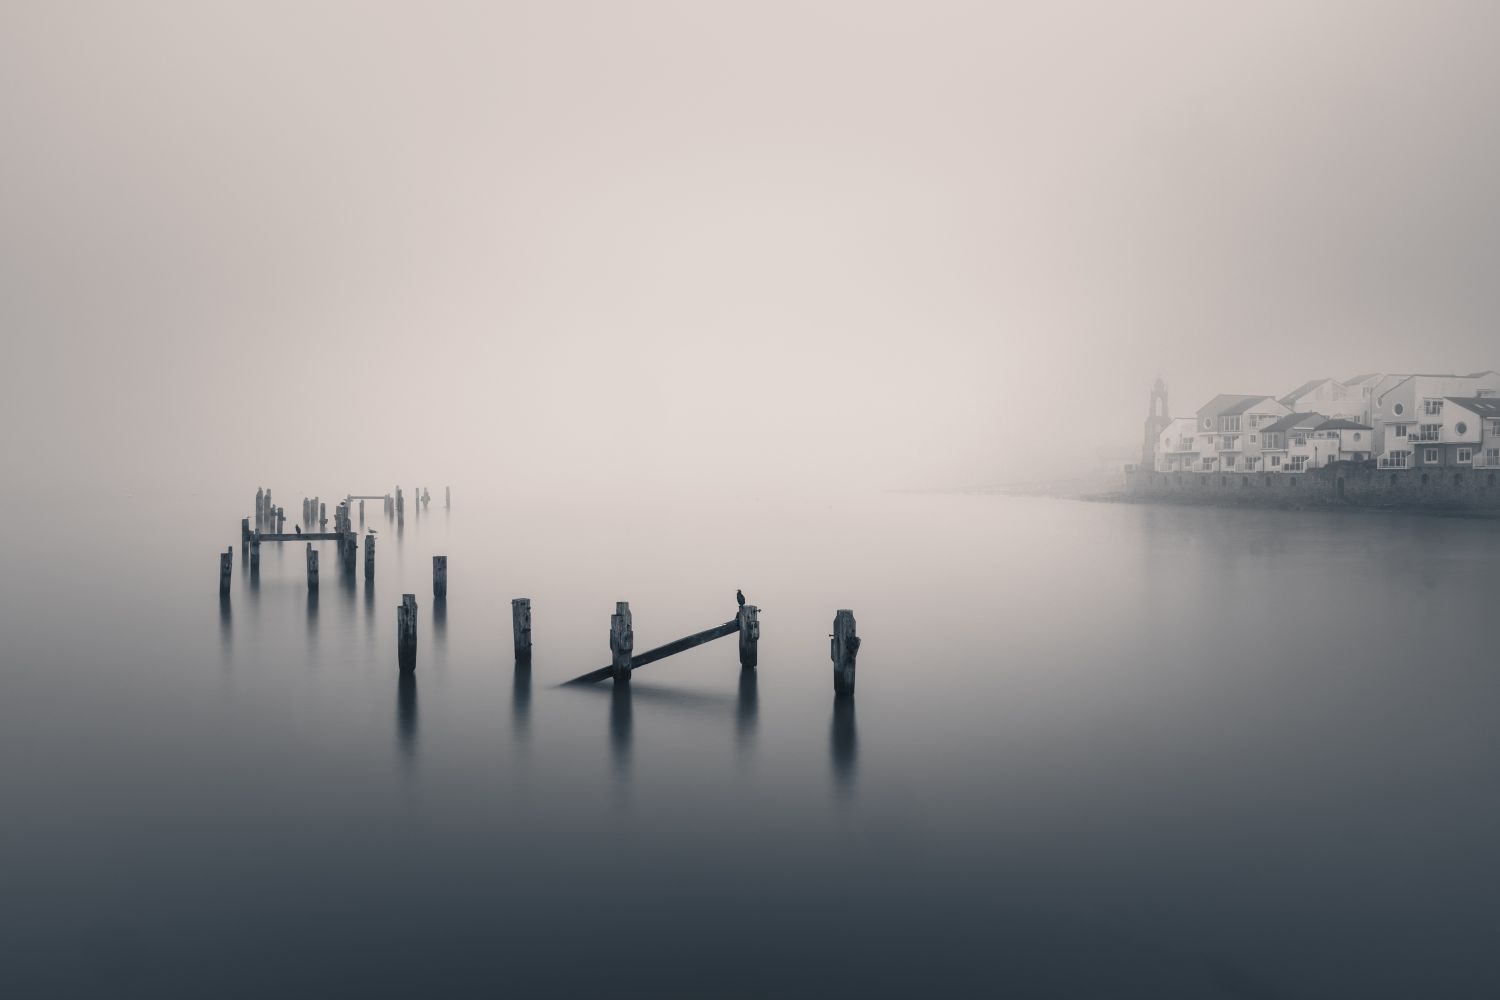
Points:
x=1393, y=421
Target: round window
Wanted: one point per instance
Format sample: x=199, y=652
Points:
x=1208, y=423
x=1356, y=435
x=1398, y=409
x=1462, y=427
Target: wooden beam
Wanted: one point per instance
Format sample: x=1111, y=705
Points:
x=662, y=652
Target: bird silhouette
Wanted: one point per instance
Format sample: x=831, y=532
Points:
x=372, y=531
x=298, y=527
x=739, y=595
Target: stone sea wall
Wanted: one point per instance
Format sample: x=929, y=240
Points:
x=1357, y=484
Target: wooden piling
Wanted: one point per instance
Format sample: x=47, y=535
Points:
x=244, y=530
x=447, y=498
x=749, y=619
x=312, y=567
x=406, y=633
x=226, y=561
x=369, y=557
x=843, y=648
x=255, y=553
x=260, y=507
x=322, y=516
x=440, y=577
x=520, y=627
x=621, y=641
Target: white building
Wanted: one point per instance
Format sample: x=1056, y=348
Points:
x=1177, y=446
x=1326, y=395
x=1407, y=413
x=1280, y=436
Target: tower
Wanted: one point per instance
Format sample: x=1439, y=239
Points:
x=1157, y=419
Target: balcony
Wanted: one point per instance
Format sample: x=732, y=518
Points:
x=1397, y=460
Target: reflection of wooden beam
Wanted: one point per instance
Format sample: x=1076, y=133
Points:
x=662, y=652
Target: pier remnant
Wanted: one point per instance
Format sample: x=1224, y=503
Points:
x=621, y=641
x=447, y=498
x=226, y=561
x=520, y=627
x=843, y=648
x=369, y=557
x=406, y=633
x=749, y=623
x=312, y=567
x=255, y=553
x=440, y=577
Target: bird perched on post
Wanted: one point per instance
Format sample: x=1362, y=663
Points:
x=739, y=596
x=298, y=527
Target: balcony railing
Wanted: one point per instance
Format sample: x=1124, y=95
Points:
x=1394, y=462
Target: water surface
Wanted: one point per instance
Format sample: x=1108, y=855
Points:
x=1096, y=751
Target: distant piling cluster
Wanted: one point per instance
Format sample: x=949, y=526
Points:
x=269, y=525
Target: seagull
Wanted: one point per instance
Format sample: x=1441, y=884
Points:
x=372, y=531
x=298, y=527
x=739, y=595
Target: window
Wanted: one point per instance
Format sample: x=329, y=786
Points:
x=1432, y=407
x=1229, y=423
x=1229, y=461
x=1430, y=432
x=1398, y=409
x=1465, y=456
x=1492, y=457
x=1275, y=461
x=1299, y=462
x=1299, y=439
x=1495, y=426
x=1356, y=435
x=1429, y=455
x=1253, y=439
x=1461, y=427
x=1208, y=423
x=1401, y=430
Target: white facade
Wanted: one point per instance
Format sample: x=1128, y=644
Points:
x=1177, y=446
x=1407, y=410
x=1327, y=396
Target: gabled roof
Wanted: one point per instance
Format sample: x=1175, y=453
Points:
x=1341, y=424
x=1485, y=406
x=1216, y=407
x=1292, y=420
x=1235, y=409
x=1366, y=377
x=1302, y=390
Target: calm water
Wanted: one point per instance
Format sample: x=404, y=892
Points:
x=1096, y=751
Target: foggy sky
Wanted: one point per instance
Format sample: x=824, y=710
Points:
x=627, y=245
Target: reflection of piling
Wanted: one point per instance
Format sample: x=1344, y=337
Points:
x=226, y=562
x=749, y=619
x=439, y=577
x=369, y=557
x=312, y=567
x=406, y=633
x=843, y=744
x=844, y=647
x=406, y=711
x=621, y=641
x=520, y=627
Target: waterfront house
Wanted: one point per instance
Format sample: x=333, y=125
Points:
x=1278, y=437
x=1326, y=395
x=1177, y=446
x=1363, y=386
x=1464, y=434
x=1408, y=414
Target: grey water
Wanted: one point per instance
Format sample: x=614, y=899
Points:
x=1095, y=751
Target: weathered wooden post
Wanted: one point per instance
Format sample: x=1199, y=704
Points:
x=361, y=513
x=226, y=560
x=281, y=520
x=322, y=516
x=621, y=641
x=255, y=553
x=749, y=636
x=312, y=567
x=520, y=627
x=244, y=530
x=260, y=506
x=440, y=577
x=843, y=648
x=447, y=498
x=369, y=557
x=406, y=633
